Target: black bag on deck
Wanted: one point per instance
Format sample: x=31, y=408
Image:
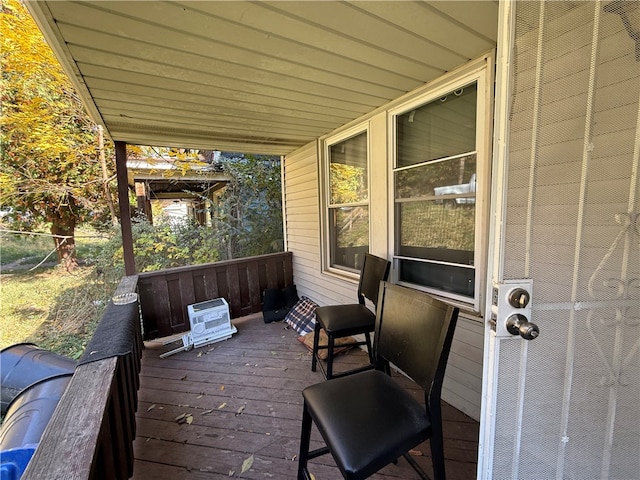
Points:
x=276, y=303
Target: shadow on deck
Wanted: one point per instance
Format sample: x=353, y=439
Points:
x=242, y=399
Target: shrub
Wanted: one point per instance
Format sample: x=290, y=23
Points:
x=157, y=247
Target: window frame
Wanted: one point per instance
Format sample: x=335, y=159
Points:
x=484, y=99
x=326, y=206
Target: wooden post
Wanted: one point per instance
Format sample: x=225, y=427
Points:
x=125, y=211
x=142, y=197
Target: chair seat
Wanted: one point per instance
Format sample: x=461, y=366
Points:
x=346, y=319
x=367, y=420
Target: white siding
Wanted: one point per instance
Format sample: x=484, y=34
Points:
x=463, y=383
x=302, y=217
x=462, y=386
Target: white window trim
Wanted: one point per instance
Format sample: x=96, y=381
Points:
x=325, y=145
x=484, y=79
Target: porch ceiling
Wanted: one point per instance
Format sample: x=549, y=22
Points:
x=262, y=77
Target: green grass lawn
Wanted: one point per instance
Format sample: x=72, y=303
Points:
x=49, y=306
x=24, y=248
x=52, y=308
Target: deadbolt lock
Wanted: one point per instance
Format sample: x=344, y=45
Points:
x=519, y=298
x=511, y=300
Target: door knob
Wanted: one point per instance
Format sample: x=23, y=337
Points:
x=518, y=324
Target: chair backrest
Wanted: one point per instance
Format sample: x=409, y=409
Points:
x=374, y=270
x=414, y=332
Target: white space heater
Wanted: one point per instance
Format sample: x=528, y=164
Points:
x=210, y=322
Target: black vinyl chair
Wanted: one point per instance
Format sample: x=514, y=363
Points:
x=367, y=420
x=339, y=321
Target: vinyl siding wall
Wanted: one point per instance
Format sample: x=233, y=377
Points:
x=302, y=218
x=463, y=384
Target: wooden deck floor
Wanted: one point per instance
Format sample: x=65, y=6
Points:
x=244, y=401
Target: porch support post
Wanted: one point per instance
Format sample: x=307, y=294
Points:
x=125, y=211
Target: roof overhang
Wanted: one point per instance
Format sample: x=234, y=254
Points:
x=174, y=178
x=254, y=77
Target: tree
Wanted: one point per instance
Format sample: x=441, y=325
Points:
x=51, y=167
x=248, y=218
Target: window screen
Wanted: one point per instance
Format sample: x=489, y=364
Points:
x=435, y=193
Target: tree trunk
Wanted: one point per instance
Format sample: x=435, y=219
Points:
x=105, y=177
x=64, y=231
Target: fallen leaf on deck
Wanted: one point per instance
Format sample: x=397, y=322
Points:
x=312, y=476
x=199, y=354
x=184, y=418
x=184, y=378
x=273, y=352
x=151, y=407
x=293, y=459
x=206, y=411
x=232, y=473
x=222, y=405
x=246, y=465
x=415, y=453
x=241, y=409
x=221, y=387
x=199, y=396
x=211, y=349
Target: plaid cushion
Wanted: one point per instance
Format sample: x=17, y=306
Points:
x=302, y=316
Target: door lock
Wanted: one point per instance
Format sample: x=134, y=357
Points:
x=519, y=298
x=518, y=324
x=511, y=302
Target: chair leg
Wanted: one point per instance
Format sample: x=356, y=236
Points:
x=437, y=450
x=367, y=338
x=305, y=441
x=421, y=473
x=316, y=343
x=330, y=345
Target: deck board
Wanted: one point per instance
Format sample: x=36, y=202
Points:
x=244, y=397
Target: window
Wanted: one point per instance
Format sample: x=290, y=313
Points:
x=347, y=202
x=435, y=218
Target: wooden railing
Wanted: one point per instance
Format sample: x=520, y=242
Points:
x=90, y=434
x=165, y=294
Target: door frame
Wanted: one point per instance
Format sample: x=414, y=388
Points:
x=495, y=255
